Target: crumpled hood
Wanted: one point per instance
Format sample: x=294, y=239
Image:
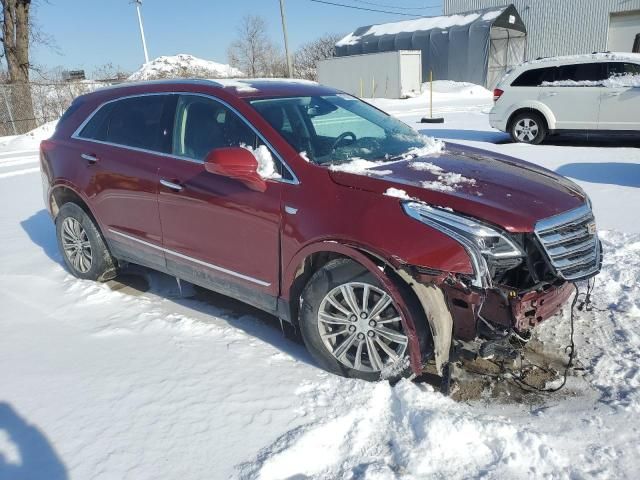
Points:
x=502, y=190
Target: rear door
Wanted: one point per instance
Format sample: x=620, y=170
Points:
x=574, y=95
x=120, y=146
x=620, y=101
x=217, y=232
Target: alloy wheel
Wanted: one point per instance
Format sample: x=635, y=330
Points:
x=361, y=327
x=526, y=129
x=76, y=244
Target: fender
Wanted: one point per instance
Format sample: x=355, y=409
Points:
x=63, y=183
x=534, y=105
x=367, y=260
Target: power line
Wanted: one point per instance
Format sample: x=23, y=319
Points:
x=425, y=7
x=364, y=8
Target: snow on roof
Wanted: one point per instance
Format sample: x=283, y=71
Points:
x=182, y=66
x=588, y=57
x=253, y=84
x=422, y=24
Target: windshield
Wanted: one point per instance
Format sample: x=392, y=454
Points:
x=333, y=129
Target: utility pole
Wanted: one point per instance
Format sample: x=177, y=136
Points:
x=144, y=42
x=286, y=40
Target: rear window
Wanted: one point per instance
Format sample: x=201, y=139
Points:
x=132, y=122
x=617, y=69
x=534, y=77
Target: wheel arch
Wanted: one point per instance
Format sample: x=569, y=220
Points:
x=535, y=107
x=315, y=256
x=64, y=193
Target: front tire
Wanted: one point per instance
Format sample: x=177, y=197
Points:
x=351, y=325
x=81, y=244
x=528, y=127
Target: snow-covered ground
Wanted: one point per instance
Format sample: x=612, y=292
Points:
x=119, y=381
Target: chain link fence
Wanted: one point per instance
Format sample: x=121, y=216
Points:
x=48, y=102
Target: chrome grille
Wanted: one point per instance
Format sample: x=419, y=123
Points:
x=571, y=243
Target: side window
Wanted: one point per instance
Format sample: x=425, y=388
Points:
x=203, y=124
x=582, y=72
x=133, y=122
x=534, y=77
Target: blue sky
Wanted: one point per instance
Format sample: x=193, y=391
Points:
x=90, y=33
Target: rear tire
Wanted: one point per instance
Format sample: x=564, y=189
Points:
x=81, y=245
x=528, y=127
x=351, y=325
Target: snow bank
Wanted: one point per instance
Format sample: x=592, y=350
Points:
x=458, y=89
x=375, y=431
x=183, y=66
x=30, y=140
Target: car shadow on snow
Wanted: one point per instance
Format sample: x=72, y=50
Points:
x=623, y=174
x=489, y=136
x=42, y=232
x=135, y=280
x=25, y=451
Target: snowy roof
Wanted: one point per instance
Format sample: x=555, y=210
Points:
x=589, y=57
x=181, y=66
x=422, y=24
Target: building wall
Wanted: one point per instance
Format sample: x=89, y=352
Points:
x=558, y=27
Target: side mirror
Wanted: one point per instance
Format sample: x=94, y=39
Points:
x=237, y=163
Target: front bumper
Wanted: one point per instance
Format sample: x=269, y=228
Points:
x=508, y=310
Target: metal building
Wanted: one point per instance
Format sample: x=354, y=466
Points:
x=567, y=27
x=477, y=47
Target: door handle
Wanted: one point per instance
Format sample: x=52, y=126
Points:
x=89, y=158
x=176, y=187
x=613, y=94
x=550, y=94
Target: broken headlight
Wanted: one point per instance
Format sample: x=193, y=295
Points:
x=487, y=246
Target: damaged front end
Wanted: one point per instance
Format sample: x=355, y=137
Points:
x=518, y=281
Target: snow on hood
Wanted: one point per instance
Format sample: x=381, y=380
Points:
x=183, y=66
x=502, y=190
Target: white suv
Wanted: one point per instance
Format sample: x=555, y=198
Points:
x=593, y=92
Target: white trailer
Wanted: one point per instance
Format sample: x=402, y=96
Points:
x=375, y=75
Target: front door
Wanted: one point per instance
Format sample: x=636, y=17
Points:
x=216, y=232
x=620, y=104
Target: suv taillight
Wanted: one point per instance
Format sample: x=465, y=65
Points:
x=497, y=93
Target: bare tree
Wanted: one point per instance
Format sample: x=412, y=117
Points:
x=308, y=55
x=15, y=43
x=253, y=52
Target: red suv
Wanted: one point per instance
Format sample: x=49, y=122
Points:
x=384, y=247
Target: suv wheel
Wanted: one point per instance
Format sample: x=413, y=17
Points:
x=528, y=127
x=82, y=247
x=350, y=324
